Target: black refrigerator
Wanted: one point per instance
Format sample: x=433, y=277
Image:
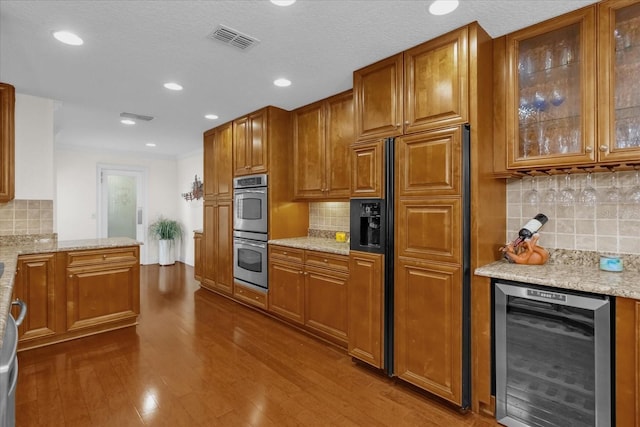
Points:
x=372, y=229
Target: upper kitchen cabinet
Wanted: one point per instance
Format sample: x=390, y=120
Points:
x=422, y=88
x=250, y=144
x=551, y=92
x=377, y=97
x=436, y=83
x=218, y=178
x=7, y=165
x=619, y=96
x=322, y=133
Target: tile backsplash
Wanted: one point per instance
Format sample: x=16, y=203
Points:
x=26, y=217
x=604, y=226
x=329, y=216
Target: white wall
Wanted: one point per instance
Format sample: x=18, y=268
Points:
x=34, y=148
x=190, y=212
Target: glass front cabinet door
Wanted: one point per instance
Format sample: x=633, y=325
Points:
x=551, y=114
x=619, y=101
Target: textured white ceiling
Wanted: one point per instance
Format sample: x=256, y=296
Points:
x=133, y=47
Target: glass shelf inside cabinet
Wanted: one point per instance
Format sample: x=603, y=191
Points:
x=549, y=93
x=626, y=38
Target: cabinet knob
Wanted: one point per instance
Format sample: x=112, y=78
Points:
x=325, y=260
x=70, y=276
x=284, y=253
x=300, y=272
x=406, y=122
x=604, y=148
x=398, y=125
x=247, y=167
x=306, y=274
x=588, y=149
x=104, y=257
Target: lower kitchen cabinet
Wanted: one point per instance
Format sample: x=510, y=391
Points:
x=103, y=291
x=34, y=284
x=286, y=289
x=365, y=302
x=250, y=295
x=309, y=288
x=217, y=274
x=428, y=327
x=627, y=344
x=77, y=293
x=197, y=256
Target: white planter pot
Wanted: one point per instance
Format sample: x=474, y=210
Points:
x=166, y=252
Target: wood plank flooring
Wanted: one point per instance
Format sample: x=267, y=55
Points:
x=198, y=359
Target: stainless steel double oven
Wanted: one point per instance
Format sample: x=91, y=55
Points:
x=250, y=227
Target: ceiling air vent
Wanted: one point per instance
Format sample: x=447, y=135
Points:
x=233, y=38
x=136, y=116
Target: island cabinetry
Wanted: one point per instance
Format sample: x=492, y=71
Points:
x=365, y=302
x=309, y=288
x=35, y=285
x=102, y=287
x=197, y=256
x=627, y=342
x=322, y=133
x=423, y=88
x=7, y=142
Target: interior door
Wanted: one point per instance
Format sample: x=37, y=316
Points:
x=121, y=204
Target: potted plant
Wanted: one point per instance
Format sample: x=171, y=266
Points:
x=166, y=231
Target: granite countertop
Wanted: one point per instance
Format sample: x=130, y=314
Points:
x=12, y=246
x=575, y=270
x=314, y=243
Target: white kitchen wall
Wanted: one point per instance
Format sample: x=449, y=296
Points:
x=76, y=191
x=34, y=148
x=190, y=212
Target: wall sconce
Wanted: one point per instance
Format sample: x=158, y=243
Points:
x=196, y=191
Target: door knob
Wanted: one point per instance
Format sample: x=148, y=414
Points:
x=604, y=148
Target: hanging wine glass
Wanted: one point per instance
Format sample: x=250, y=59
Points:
x=633, y=195
x=549, y=195
x=611, y=194
x=588, y=196
x=557, y=97
x=567, y=195
x=531, y=196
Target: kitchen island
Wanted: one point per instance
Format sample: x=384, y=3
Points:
x=66, y=284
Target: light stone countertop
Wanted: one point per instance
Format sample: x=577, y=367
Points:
x=314, y=243
x=572, y=270
x=11, y=248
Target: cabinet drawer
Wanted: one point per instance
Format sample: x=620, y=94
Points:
x=286, y=253
x=326, y=260
x=99, y=256
x=250, y=295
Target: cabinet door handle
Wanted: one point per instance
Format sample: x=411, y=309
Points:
x=588, y=149
x=406, y=122
x=104, y=257
x=604, y=148
x=325, y=260
x=70, y=276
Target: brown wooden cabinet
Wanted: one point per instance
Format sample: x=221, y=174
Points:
x=218, y=177
x=627, y=345
x=77, y=293
x=286, y=283
x=365, y=302
x=7, y=142
x=322, y=133
x=102, y=287
x=423, y=88
x=250, y=295
x=197, y=256
x=367, y=169
x=250, y=144
x=218, y=246
x=35, y=285
x=309, y=288
x=619, y=92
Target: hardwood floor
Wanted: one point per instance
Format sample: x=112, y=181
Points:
x=198, y=359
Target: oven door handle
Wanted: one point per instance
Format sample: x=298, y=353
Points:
x=255, y=245
x=240, y=192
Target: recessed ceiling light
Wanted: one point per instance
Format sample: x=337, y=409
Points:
x=282, y=82
x=150, y=144
x=211, y=116
x=127, y=122
x=283, y=2
x=442, y=7
x=173, y=86
x=67, y=37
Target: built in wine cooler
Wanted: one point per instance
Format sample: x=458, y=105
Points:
x=552, y=356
